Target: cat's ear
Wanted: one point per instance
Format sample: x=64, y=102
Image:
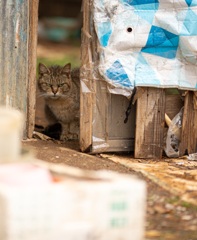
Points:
x=42, y=68
x=66, y=69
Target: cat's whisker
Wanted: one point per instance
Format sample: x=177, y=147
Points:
x=42, y=95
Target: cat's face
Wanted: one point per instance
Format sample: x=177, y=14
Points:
x=54, y=81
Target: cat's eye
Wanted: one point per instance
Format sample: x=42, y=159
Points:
x=46, y=85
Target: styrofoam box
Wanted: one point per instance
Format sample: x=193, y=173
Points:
x=109, y=207
x=11, y=123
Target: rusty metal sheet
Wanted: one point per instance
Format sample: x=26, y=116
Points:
x=14, y=28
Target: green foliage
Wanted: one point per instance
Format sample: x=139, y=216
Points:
x=176, y=200
x=60, y=61
x=188, y=206
x=173, y=200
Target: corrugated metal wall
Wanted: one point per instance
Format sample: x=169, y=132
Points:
x=14, y=32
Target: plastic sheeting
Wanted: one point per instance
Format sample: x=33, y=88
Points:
x=147, y=43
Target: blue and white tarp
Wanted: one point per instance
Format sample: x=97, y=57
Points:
x=147, y=43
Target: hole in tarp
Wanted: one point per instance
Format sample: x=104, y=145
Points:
x=129, y=29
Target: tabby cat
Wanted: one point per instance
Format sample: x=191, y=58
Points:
x=60, y=88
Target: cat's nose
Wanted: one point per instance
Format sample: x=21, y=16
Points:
x=54, y=89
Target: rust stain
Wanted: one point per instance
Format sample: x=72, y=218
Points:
x=14, y=27
x=17, y=32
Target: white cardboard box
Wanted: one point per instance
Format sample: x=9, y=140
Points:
x=84, y=206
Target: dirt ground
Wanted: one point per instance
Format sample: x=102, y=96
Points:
x=168, y=216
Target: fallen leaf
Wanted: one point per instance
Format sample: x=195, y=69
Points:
x=152, y=233
x=161, y=209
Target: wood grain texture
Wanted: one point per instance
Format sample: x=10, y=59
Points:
x=150, y=123
x=173, y=105
x=32, y=49
x=110, y=133
x=86, y=77
x=102, y=125
x=188, y=142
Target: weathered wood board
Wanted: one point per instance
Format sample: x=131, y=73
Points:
x=86, y=73
x=189, y=126
x=110, y=133
x=32, y=59
x=102, y=113
x=102, y=126
x=150, y=123
x=151, y=129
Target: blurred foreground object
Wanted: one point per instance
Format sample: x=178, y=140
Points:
x=46, y=201
x=54, y=201
x=11, y=124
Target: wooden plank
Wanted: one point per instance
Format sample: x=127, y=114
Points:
x=110, y=133
x=33, y=24
x=86, y=77
x=117, y=129
x=189, y=125
x=120, y=145
x=174, y=103
x=150, y=123
x=14, y=28
x=99, y=129
x=102, y=127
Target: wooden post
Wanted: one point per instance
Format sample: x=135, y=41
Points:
x=102, y=114
x=189, y=125
x=32, y=56
x=150, y=123
x=86, y=77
